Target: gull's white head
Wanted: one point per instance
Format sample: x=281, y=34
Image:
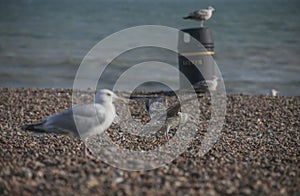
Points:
x=105, y=95
x=211, y=8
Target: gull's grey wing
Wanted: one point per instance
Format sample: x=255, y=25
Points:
x=86, y=117
x=203, y=12
x=199, y=14
x=191, y=15
x=203, y=84
x=174, y=109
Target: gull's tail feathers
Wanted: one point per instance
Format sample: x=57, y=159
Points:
x=38, y=127
x=42, y=127
x=187, y=17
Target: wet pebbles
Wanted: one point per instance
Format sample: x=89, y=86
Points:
x=257, y=152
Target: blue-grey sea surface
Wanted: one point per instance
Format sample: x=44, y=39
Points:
x=42, y=42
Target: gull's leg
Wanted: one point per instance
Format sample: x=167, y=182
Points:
x=88, y=153
x=201, y=23
x=167, y=132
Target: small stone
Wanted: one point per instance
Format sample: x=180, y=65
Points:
x=92, y=182
x=118, y=180
x=27, y=172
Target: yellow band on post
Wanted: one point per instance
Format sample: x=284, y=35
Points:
x=197, y=53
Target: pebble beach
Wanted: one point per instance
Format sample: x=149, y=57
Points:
x=257, y=152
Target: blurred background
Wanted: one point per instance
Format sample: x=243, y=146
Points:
x=257, y=42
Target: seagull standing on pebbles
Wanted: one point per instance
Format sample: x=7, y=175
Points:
x=172, y=117
x=175, y=121
x=201, y=15
x=274, y=92
x=210, y=85
x=91, y=119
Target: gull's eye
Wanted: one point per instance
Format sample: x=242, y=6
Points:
x=108, y=94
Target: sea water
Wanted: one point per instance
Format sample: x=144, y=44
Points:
x=43, y=42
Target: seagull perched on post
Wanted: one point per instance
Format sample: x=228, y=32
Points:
x=210, y=85
x=91, y=119
x=201, y=15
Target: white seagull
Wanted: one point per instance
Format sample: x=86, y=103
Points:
x=201, y=15
x=91, y=119
x=210, y=85
x=274, y=92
